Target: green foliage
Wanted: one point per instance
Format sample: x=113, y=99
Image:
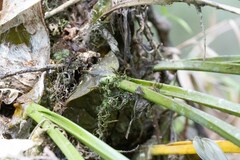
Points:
x=62, y=23
x=194, y=96
x=61, y=55
x=221, y=127
x=38, y=112
x=224, y=64
x=56, y=135
x=113, y=100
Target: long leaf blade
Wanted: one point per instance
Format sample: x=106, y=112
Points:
x=194, y=96
x=222, y=128
x=186, y=147
x=207, y=66
x=223, y=59
x=59, y=139
x=95, y=144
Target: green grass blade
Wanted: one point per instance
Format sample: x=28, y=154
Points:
x=95, y=144
x=223, y=59
x=207, y=66
x=59, y=139
x=222, y=128
x=194, y=96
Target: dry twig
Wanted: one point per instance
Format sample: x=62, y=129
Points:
x=30, y=69
x=130, y=3
x=60, y=8
x=215, y=5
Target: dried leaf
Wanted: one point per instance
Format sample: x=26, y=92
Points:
x=8, y=95
x=24, y=42
x=208, y=149
x=92, y=80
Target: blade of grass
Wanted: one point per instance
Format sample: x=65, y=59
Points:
x=222, y=128
x=194, y=96
x=223, y=59
x=229, y=68
x=59, y=139
x=95, y=144
x=186, y=147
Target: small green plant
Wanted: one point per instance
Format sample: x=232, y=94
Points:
x=219, y=126
x=61, y=56
x=54, y=133
x=47, y=117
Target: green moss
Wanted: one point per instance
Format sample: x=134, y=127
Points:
x=113, y=100
x=61, y=55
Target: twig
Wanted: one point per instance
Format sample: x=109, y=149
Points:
x=61, y=8
x=199, y=11
x=129, y=151
x=30, y=69
x=216, y=5
x=130, y=3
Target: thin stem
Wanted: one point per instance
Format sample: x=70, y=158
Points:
x=30, y=69
x=95, y=144
x=194, y=96
x=61, y=8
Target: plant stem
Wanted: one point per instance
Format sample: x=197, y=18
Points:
x=95, y=144
x=194, y=96
x=186, y=147
x=222, y=128
x=59, y=139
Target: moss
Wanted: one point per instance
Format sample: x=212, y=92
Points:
x=113, y=101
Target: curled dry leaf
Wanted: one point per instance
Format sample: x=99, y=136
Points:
x=24, y=42
x=70, y=33
x=35, y=93
x=8, y=95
